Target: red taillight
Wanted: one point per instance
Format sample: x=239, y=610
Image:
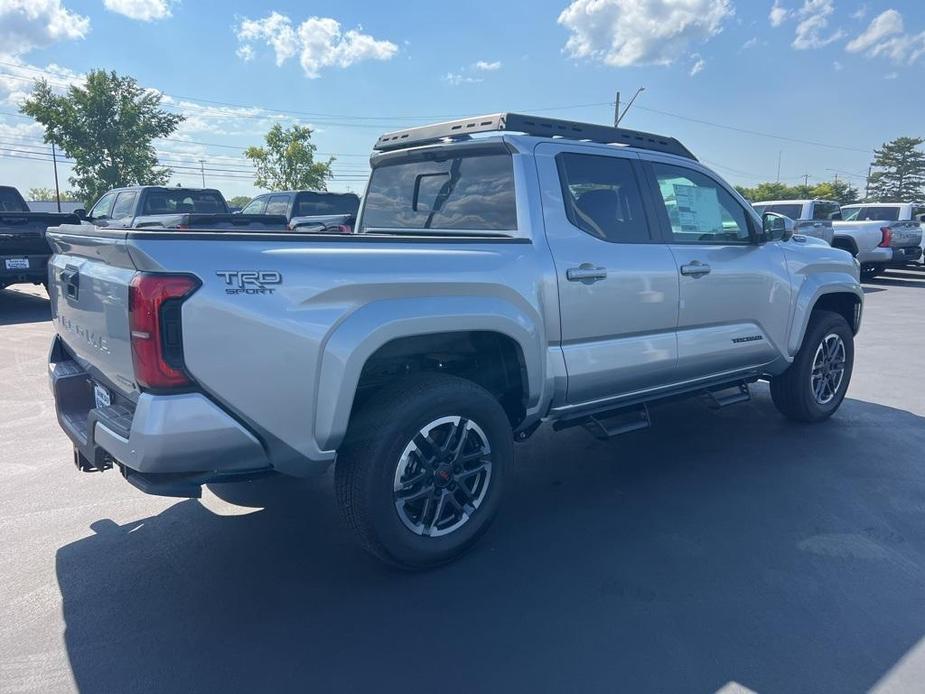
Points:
x=887, y=237
x=154, y=322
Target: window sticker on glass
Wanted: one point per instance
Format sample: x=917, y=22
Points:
x=698, y=209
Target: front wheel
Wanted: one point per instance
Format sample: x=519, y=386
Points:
x=814, y=385
x=420, y=475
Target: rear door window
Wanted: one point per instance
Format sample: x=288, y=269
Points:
x=278, y=204
x=10, y=201
x=468, y=191
x=823, y=211
x=255, y=206
x=792, y=210
x=871, y=213
x=602, y=197
x=125, y=205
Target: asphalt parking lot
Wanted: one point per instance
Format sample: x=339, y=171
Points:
x=727, y=551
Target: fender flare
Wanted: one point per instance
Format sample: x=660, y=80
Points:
x=815, y=287
x=355, y=339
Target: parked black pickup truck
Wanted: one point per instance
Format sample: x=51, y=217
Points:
x=24, y=252
x=309, y=210
x=147, y=207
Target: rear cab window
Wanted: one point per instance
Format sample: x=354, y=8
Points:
x=868, y=213
x=183, y=202
x=457, y=189
x=11, y=201
x=310, y=204
x=792, y=210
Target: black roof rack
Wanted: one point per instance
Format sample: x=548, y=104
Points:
x=531, y=125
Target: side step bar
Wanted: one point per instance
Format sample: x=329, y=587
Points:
x=608, y=424
x=717, y=399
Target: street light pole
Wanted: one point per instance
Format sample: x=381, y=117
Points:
x=202, y=170
x=623, y=115
x=54, y=163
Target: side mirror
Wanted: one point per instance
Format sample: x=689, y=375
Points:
x=81, y=213
x=776, y=227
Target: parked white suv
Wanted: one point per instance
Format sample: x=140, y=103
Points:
x=813, y=217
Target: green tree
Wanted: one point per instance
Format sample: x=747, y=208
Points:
x=767, y=191
x=107, y=125
x=841, y=191
x=287, y=162
x=239, y=200
x=901, y=171
x=48, y=194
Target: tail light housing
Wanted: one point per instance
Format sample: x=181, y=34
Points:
x=154, y=323
x=886, y=237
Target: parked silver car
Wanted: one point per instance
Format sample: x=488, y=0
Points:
x=494, y=283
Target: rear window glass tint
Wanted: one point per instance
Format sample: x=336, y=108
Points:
x=309, y=204
x=183, y=201
x=871, y=213
x=794, y=211
x=469, y=191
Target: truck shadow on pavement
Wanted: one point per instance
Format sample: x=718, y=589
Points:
x=20, y=307
x=715, y=548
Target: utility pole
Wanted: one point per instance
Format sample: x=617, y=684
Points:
x=620, y=116
x=867, y=183
x=805, y=178
x=54, y=163
x=616, y=111
x=202, y=170
x=780, y=153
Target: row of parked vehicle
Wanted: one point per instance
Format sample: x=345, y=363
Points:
x=878, y=234
x=24, y=250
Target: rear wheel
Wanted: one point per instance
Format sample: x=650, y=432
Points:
x=817, y=380
x=420, y=476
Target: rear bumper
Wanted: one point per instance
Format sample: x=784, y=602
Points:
x=164, y=444
x=908, y=254
x=15, y=269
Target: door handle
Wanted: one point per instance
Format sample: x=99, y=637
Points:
x=586, y=273
x=695, y=269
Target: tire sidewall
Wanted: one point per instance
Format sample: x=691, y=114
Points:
x=830, y=324
x=471, y=402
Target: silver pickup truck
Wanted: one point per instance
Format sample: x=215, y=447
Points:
x=881, y=234
x=499, y=278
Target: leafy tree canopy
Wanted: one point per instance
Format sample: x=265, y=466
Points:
x=840, y=191
x=48, y=194
x=107, y=125
x=287, y=162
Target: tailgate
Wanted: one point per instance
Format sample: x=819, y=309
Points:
x=90, y=276
x=22, y=235
x=905, y=234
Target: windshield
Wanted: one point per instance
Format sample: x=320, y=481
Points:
x=870, y=213
x=10, y=201
x=472, y=191
x=183, y=201
x=310, y=204
x=792, y=210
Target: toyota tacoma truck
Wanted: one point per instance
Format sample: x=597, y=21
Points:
x=812, y=217
x=149, y=207
x=24, y=252
x=499, y=278
x=881, y=234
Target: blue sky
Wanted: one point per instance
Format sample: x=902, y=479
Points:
x=845, y=74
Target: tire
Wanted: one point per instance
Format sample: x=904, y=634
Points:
x=384, y=446
x=794, y=392
x=869, y=272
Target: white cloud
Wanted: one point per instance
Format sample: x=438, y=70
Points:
x=886, y=36
x=837, y=66
x=860, y=13
x=457, y=78
x=28, y=24
x=18, y=77
x=486, y=66
x=751, y=43
x=891, y=76
x=814, y=19
x=318, y=41
x=697, y=67
x=778, y=14
x=142, y=10
x=640, y=32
